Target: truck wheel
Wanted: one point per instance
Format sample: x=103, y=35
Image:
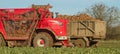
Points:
x=74, y=43
x=43, y=40
x=79, y=43
x=2, y=41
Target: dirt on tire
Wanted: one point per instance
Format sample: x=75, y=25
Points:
x=48, y=39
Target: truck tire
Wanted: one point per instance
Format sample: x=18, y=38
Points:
x=74, y=43
x=2, y=41
x=79, y=43
x=43, y=39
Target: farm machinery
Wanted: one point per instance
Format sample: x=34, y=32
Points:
x=36, y=27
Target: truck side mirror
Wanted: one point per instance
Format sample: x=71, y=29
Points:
x=56, y=13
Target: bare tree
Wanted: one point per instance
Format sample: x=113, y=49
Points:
x=97, y=11
x=103, y=12
x=108, y=14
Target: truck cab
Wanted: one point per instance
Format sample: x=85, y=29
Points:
x=53, y=26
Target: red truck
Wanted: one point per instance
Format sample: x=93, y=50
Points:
x=35, y=27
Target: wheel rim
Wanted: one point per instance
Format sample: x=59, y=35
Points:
x=78, y=43
x=41, y=42
x=81, y=43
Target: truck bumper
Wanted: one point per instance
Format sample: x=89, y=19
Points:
x=61, y=37
x=67, y=43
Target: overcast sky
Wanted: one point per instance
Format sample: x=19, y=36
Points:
x=61, y=6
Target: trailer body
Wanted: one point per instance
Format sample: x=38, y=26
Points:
x=89, y=28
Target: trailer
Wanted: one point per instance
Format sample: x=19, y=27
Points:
x=84, y=30
x=83, y=33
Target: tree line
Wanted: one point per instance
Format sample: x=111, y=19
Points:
x=109, y=14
